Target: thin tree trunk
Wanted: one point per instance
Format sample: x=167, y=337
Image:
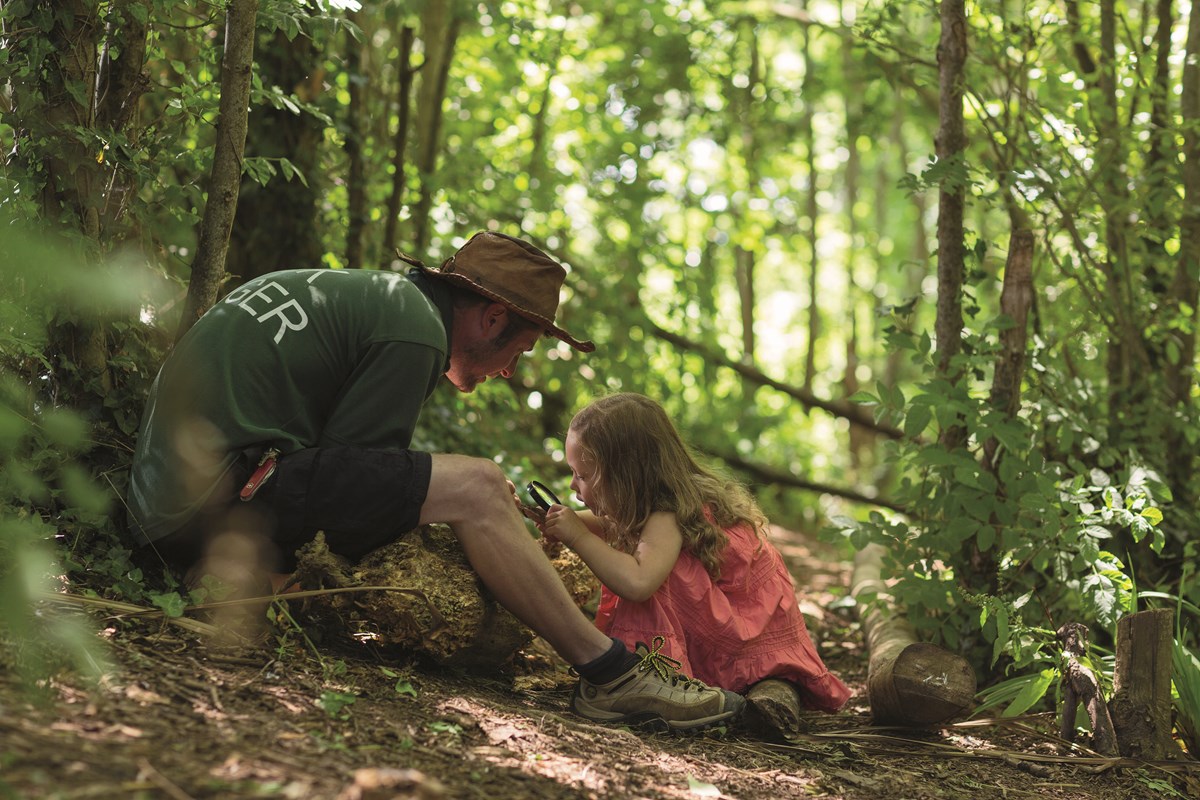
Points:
x=812, y=208
x=439, y=31
x=284, y=209
x=859, y=438
x=1016, y=298
x=356, y=174
x=400, y=142
x=208, y=270
x=537, y=150
x=1126, y=361
x=950, y=143
x=1185, y=288
x=122, y=80
x=744, y=271
x=120, y=83
x=742, y=106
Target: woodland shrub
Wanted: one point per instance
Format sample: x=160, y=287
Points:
x=1002, y=544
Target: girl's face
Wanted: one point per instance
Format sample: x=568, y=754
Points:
x=584, y=478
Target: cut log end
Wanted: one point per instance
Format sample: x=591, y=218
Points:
x=923, y=685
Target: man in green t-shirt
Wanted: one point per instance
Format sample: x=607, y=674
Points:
x=290, y=406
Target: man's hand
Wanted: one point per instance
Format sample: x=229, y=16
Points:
x=531, y=513
x=564, y=525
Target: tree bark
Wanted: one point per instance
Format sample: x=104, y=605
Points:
x=440, y=23
x=72, y=194
x=1141, y=702
x=1016, y=298
x=949, y=145
x=122, y=79
x=909, y=682
x=282, y=210
x=400, y=141
x=208, y=269
x=743, y=256
x=1185, y=287
x=356, y=174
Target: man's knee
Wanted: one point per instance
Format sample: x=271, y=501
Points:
x=461, y=487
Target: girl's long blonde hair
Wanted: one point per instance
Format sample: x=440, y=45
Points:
x=643, y=465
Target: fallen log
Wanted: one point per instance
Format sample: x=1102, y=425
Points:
x=909, y=682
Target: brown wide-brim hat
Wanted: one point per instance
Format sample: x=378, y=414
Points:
x=515, y=274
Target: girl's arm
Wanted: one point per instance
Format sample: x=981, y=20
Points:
x=632, y=577
x=589, y=518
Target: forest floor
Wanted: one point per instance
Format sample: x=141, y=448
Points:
x=181, y=718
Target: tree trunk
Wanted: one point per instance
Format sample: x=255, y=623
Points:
x=440, y=23
x=120, y=84
x=812, y=207
x=208, y=270
x=400, y=142
x=122, y=80
x=1141, y=702
x=356, y=174
x=72, y=193
x=1185, y=287
x=950, y=143
x=282, y=210
x=909, y=682
x=1016, y=298
x=743, y=256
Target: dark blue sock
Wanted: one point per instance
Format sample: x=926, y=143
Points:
x=610, y=666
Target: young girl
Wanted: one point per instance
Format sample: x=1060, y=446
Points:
x=683, y=556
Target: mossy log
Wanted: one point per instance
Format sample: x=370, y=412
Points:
x=446, y=614
x=909, y=682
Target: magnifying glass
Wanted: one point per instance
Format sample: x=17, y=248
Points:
x=542, y=495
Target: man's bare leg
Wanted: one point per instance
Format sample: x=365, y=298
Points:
x=472, y=496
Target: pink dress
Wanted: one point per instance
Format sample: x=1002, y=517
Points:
x=734, y=632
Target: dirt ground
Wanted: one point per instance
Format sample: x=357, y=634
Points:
x=182, y=718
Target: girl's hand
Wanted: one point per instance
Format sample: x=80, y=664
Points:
x=564, y=525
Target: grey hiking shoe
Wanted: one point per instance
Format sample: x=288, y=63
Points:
x=654, y=693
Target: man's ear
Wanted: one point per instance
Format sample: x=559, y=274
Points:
x=493, y=320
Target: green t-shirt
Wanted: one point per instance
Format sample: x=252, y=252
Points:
x=294, y=359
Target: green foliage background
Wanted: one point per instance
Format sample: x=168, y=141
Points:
x=657, y=148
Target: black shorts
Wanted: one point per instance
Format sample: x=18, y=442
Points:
x=362, y=499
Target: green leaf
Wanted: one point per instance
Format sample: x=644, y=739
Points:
x=1152, y=515
x=171, y=603
x=916, y=420
x=986, y=537
x=1031, y=693
x=864, y=398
